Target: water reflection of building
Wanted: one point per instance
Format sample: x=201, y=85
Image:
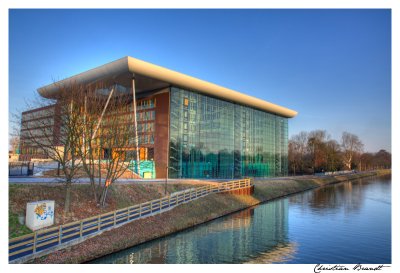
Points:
x=237, y=221
x=235, y=238
x=238, y=238
x=279, y=254
x=156, y=254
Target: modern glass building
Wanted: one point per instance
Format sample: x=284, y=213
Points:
x=210, y=137
x=189, y=128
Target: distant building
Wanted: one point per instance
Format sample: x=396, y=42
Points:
x=195, y=128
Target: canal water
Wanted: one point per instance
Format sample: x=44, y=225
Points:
x=345, y=223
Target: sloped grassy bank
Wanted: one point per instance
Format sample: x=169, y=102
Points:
x=188, y=215
x=120, y=196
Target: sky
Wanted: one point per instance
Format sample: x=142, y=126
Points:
x=332, y=66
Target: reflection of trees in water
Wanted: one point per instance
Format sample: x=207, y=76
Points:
x=237, y=238
x=347, y=196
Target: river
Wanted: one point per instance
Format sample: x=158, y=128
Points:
x=345, y=223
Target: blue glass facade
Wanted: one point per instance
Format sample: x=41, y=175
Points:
x=213, y=138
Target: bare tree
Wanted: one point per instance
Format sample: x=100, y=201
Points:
x=317, y=147
x=293, y=156
x=366, y=161
x=86, y=129
x=49, y=131
x=383, y=159
x=316, y=150
x=107, y=137
x=296, y=152
x=333, y=155
x=14, y=143
x=351, y=145
x=301, y=140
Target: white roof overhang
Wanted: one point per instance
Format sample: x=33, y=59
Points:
x=150, y=77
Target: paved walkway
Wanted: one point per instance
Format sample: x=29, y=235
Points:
x=34, y=180
x=83, y=180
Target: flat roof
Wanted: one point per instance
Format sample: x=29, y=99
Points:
x=149, y=77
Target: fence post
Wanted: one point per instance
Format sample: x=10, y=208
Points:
x=115, y=217
x=80, y=229
x=129, y=213
x=160, y=205
x=60, y=234
x=169, y=201
x=99, y=223
x=34, y=242
x=151, y=207
x=140, y=210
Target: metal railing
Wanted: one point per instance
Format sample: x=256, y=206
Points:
x=47, y=239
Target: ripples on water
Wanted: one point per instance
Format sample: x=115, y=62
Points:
x=343, y=223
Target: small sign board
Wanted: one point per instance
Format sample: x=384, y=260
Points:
x=39, y=214
x=147, y=175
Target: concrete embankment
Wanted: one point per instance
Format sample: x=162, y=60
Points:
x=188, y=215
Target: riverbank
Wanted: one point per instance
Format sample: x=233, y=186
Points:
x=82, y=202
x=188, y=215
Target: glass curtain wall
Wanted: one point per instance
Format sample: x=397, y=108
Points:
x=213, y=138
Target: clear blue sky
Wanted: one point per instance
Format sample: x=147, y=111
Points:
x=332, y=66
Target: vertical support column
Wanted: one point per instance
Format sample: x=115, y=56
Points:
x=102, y=114
x=135, y=125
